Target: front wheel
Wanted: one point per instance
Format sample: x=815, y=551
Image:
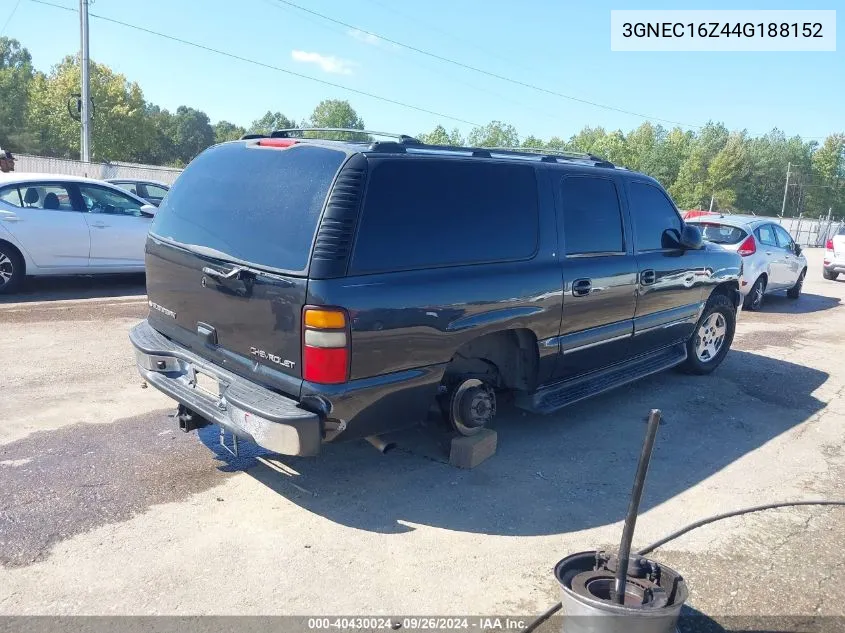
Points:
x=713, y=336
x=795, y=291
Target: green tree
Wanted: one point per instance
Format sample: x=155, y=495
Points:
x=828, y=182
x=269, y=122
x=339, y=114
x=532, y=142
x=728, y=169
x=439, y=136
x=761, y=191
x=225, y=131
x=691, y=188
x=192, y=133
x=494, y=134
x=15, y=76
x=119, y=122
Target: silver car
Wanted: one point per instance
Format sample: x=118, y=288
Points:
x=771, y=259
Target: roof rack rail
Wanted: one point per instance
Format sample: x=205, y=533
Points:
x=549, y=156
x=552, y=154
x=299, y=132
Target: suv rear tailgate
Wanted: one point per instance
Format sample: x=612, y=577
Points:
x=228, y=252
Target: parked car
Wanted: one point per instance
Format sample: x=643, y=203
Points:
x=834, y=254
x=306, y=290
x=65, y=225
x=150, y=190
x=772, y=260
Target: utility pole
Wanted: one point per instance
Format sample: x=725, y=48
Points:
x=85, y=109
x=785, y=189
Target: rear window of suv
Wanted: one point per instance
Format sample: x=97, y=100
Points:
x=721, y=233
x=258, y=205
x=423, y=212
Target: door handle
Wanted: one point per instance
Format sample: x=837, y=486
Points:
x=648, y=277
x=100, y=225
x=10, y=218
x=581, y=287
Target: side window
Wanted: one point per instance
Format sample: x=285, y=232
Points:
x=131, y=187
x=11, y=195
x=422, y=212
x=155, y=192
x=51, y=197
x=784, y=238
x=653, y=216
x=102, y=200
x=766, y=235
x=592, y=220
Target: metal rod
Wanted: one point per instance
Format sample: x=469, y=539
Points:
x=85, y=110
x=634, y=507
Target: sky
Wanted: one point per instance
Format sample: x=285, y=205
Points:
x=558, y=45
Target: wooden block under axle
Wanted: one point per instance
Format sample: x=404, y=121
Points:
x=469, y=452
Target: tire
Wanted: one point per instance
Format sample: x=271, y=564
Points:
x=829, y=275
x=754, y=299
x=795, y=291
x=12, y=270
x=706, y=348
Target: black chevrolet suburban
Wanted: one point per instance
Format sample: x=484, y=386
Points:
x=304, y=290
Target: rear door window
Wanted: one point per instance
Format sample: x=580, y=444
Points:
x=422, y=212
x=654, y=218
x=766, y=235
x=48, y=196
x=592, y=219
x=249, y=203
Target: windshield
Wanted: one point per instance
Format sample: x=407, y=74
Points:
x=721, y=233
x=253, y=204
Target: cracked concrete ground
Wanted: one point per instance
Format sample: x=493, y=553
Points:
x=106, y=509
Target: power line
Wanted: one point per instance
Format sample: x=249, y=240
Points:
x=481, y=70
x=495, y=75
x=9, y=19
x=333, y=29
x=262, y=64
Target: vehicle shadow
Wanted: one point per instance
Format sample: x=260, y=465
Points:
x=559, y=473
x=78, y=287
x=781, y=304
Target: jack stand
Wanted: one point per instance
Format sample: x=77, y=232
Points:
x=233, y=451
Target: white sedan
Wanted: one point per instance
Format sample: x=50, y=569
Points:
x=771, y=259
x=66, y=225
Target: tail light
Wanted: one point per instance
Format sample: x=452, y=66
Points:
x=748, y=247
x=325, y=346
x=829, y=245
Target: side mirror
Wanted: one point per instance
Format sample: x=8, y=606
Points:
x=797, y=248
x=691, y=238
x=148, y=210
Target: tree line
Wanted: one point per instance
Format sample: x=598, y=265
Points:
x=713, y=166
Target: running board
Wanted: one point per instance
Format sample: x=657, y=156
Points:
x=561, y=394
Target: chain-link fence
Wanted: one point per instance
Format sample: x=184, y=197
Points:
x=810, y=231
x=102, y=171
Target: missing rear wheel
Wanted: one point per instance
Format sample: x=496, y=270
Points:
x=471, y=406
